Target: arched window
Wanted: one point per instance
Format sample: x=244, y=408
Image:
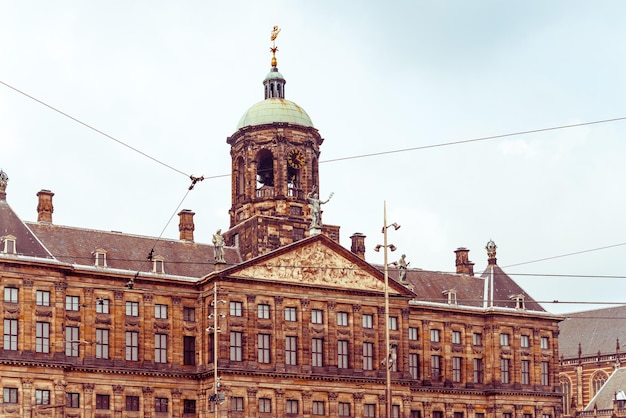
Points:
x=597, y=380
x=566, y=389
x=265, y=169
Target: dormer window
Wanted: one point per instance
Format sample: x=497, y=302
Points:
x=158, y=264
x=100, y=258
x=519, y=301
x=451, y=294
x=9, y=244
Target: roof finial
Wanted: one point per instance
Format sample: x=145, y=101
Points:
x=491, y=252
x=4, y=179
x=274, y=48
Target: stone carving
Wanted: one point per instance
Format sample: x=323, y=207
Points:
x=315, y=264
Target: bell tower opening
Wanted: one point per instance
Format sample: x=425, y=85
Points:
x=265, y=173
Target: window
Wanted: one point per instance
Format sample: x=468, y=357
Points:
x=477, y=338
x=236, y=403
x=434, y=335
x=102, y=306
x=525, y=372
x=435, y=368
x=72, y=400
x=479, y=415
x=43, y=298
x=264, y=348
x=597, y=381
x=236, y=347
x=100, y=259
x=160, y=311
x=317, y=352
x=344, y=409
x=458, y=415
x=291, y=351
x=132, y=308
x=72, y=341
x=437, y=414
x=291, y=407
x=189, y=314
x=507, y=415
x=291, y=314
x=210, y=346
x=318, y=408
x=132, y=345
x=9, y=245
x=160, y=404
x=414, y=365
x=9, y=395
x=457, y=363
x=236, y=309
x=189, y=350
x=342, y=319
x=545, y=343
x=42, y=397
x=189, y=406
x=158, y=265
x=395, y=411
x=265, y=405
x=102, y=343
x=10, y=294
x=132, y=403
x=42, y=337
x=369, y=410
x=504, y=339
x=478, y=370
x=368, y=321
x=417, y=414
x=545, y=373
x=72, y=303
x=317, y=316
x=527, y=415
x=525, y=341
x=456, y=337
x=368, y=356
x=264, y=311
x=393, y=323
x=413, y=334
x=505, y=370
x=160, y=348
x=102, y=401
x=342, y=354
x=10, y=334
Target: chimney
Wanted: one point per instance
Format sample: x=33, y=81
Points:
x=44, y=207
x=185, y=225
x=358, y=245
x=463, y=265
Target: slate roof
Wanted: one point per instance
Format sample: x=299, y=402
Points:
x=430, y=285
x=596, y=330
x=27, y=243
x=129, y=252
x=612, y=388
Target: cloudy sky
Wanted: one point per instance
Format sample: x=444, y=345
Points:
x=172, y=79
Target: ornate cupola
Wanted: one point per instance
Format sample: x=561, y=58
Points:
x=275, y=153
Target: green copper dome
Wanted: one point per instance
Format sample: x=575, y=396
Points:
x=275, y=110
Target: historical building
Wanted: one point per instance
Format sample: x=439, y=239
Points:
x=592, y=378
x=274, y=319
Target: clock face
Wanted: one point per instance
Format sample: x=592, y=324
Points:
x=295, y=159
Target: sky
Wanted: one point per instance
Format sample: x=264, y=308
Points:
x=150, y=90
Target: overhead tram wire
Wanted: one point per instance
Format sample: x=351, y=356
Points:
x=566, y=255
x=95, y=129
x=332, y=160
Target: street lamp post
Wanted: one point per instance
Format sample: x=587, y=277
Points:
x=388, y=359
x=215, y=397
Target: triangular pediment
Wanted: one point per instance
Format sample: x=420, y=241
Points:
x=317, y=263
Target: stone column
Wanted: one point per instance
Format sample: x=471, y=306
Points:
x=148, y=401
x=333, y=406
x=252, y=406
x=118, y=400
x=27, y=396
x=177, y=408
x=88, y=399
x=358, y=404
x=279, y=394
x=307, y=405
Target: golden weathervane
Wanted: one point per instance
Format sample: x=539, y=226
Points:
x=274, y=48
